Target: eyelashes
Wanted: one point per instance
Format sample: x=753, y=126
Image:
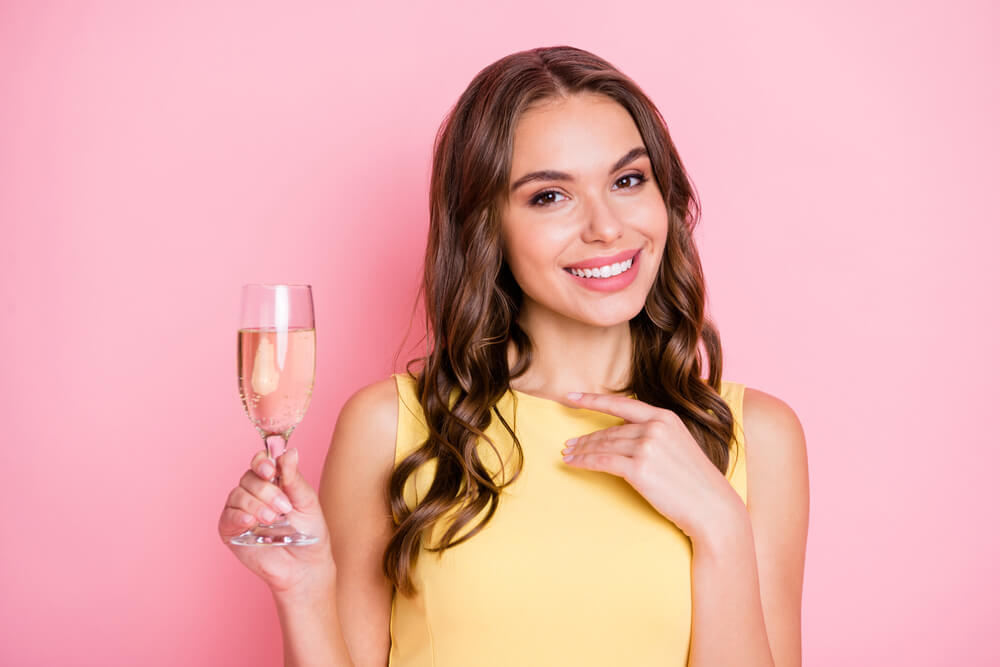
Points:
x=639, y=177
x=545, y=198
x=549, y=197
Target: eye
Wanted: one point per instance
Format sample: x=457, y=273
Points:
x=630, y=181
x=545, y=198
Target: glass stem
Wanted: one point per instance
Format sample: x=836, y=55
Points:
x=275, y=446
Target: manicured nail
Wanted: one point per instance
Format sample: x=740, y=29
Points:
x=267, y=515
x=574, y=395
x=246, y=519
x=282, y=504
x=571, y=442
x=568, y=457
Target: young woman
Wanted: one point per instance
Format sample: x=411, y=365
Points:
x=556, y=483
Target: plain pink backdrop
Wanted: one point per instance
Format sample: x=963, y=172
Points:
x=154, y=157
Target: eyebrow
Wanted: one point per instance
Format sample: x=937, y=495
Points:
x=549, y=175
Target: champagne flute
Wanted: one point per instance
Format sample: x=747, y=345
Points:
x=276, y=363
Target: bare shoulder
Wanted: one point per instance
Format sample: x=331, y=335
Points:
x=355, y=504
x=771, y=424
x=777, y=464
x=778, y=505
x=361, y=455
x=372, y=408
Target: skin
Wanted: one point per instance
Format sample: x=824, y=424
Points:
x=748, y=560
x=581, y=337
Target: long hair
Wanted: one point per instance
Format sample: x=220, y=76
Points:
x=472, y=300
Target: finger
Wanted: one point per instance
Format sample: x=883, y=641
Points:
x=618, y=446
x=241, y=499
x=615, y=464
x=623, y=431
x=266, y=492
x=628, y=409
x=262, y=465
x=294, y=484
x=233, y=522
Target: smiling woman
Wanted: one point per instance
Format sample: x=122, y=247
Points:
x=599, y=211
x=565, y=307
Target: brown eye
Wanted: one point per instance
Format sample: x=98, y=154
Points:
x=630, y=181
x=545, y=198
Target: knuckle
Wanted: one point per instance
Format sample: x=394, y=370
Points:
x=248, y=479
x=254, y=485
x=658, y=428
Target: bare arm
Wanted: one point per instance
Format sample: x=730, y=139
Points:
x=353, y=495
x=310, y=627
x=748, y=569
x=727, y=621
x=301, y=578
x=333, y=603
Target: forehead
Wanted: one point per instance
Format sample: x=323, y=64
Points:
x=578, y=133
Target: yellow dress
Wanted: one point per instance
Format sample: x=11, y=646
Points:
x=575, y=568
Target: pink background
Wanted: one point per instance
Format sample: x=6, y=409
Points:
x=153, y=158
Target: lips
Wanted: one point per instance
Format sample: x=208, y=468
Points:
x=596, y=262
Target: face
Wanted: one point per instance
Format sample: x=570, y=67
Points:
x=582, y=201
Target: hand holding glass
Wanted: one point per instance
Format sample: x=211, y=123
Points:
x=276, y=364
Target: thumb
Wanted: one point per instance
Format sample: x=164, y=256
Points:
x=294, y=484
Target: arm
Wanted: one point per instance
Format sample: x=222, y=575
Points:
x=352, y=492
x=341, y=618
x=748, y=568
x=310, y=627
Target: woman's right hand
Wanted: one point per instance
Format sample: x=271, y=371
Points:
x=257, y=500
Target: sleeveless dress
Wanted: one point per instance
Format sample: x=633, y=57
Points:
x=575, y=568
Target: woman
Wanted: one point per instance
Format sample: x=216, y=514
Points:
x=556, y=484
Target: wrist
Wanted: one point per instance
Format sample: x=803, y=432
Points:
x=728, y=528
x=317, y=586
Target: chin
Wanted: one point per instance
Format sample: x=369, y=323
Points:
x=615, y=318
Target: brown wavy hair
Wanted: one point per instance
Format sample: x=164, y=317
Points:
x=472, y=300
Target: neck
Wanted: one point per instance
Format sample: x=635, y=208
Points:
x=569, y=355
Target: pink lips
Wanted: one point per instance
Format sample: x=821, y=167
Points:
x=595, y=262
x=612, y=284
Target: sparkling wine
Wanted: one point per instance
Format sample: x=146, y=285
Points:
x=276, y=371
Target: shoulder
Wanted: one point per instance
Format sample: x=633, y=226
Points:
x=366, y=426
x=778, y=506
x=772, y=425
x=373, y=407
x=777, y=466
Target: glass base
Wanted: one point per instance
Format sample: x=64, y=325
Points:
x=278, y=534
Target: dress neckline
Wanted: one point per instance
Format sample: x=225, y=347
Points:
x=545, y=399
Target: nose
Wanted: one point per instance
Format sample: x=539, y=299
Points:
x=602, y=225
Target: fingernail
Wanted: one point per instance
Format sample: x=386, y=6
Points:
x=246, y=519
x=571, y=442
x=282, y=504
x=267, y=515
x=574, y=395
x=266, y=470
x=568, y=457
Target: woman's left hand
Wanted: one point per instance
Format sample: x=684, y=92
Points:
x=658, y=456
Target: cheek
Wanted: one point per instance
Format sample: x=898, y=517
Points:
x=532, y=261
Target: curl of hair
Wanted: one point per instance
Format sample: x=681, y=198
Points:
x=472, y=300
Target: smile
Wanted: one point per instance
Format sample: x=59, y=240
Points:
x=610, y=277
x=606, y=271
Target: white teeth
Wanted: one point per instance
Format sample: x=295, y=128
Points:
x=605, y=271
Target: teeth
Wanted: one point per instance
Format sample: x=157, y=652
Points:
x=604, y=271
